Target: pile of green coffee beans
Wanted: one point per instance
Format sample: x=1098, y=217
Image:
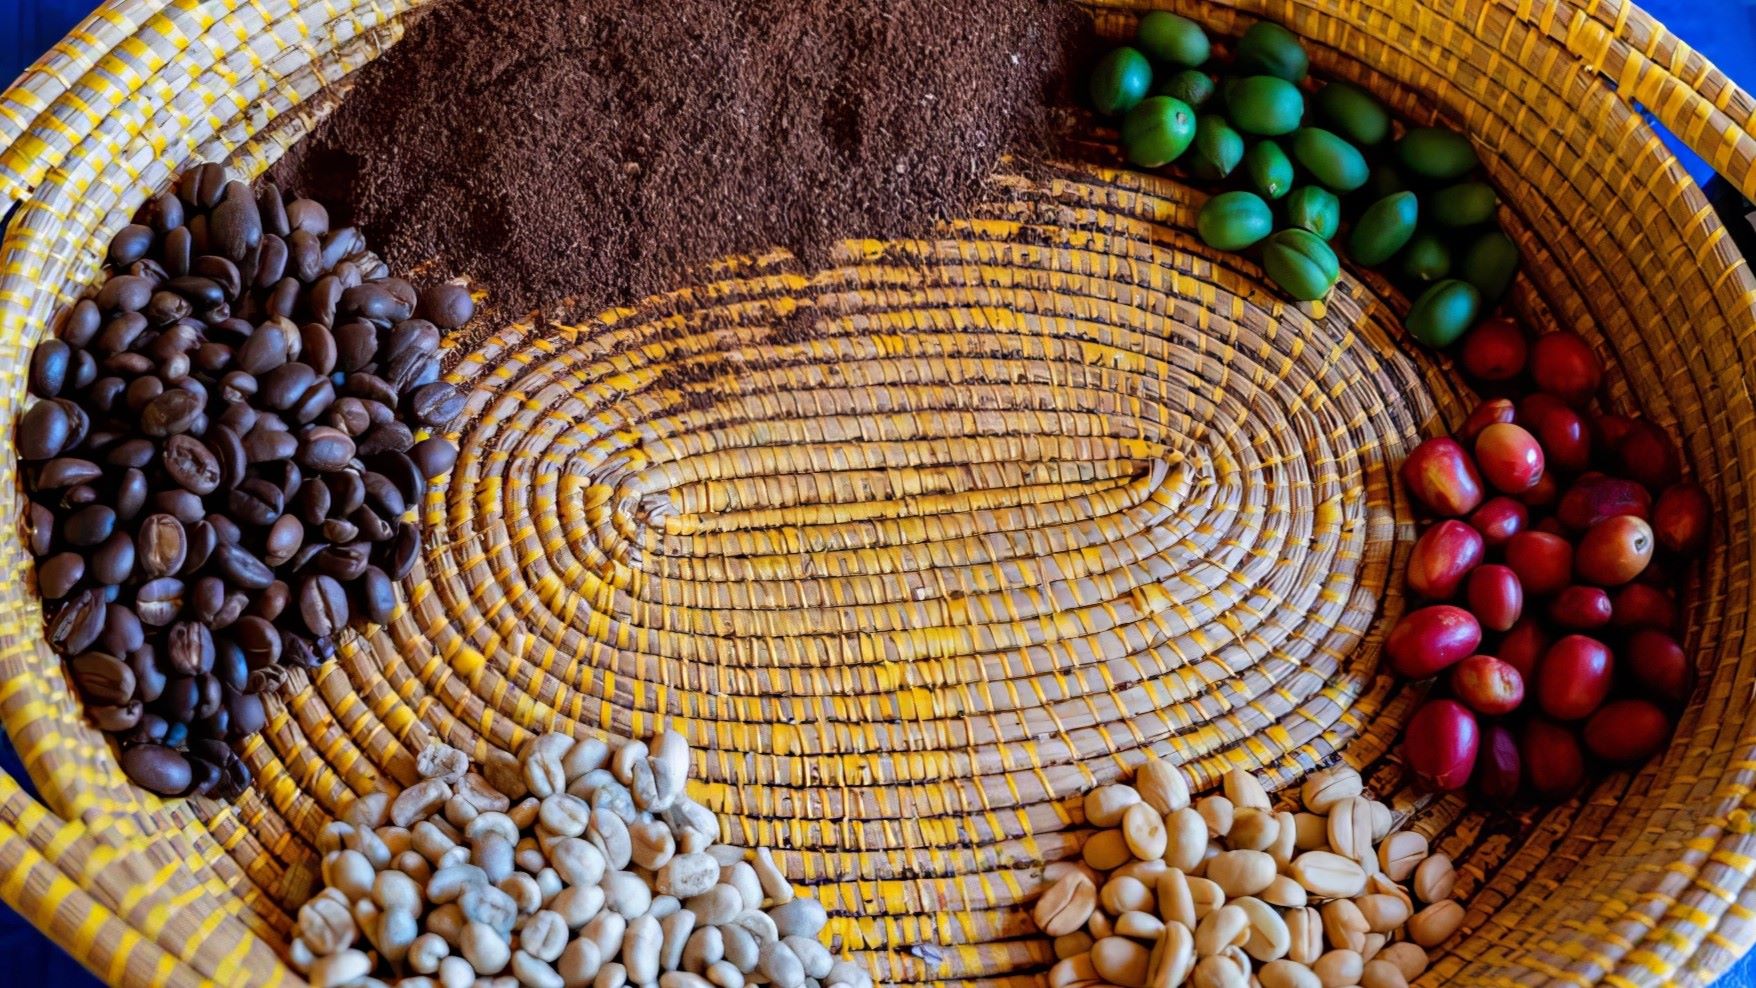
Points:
x=1301, y=157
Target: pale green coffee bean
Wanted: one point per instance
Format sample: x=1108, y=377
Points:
x=799, y=918
x=579, y=963
x=326, y=926
x=492, y=854
x=812, y=955
x=610, y=833
x=740, y=947
x=476, y=791
x=340, y=969
x=725, y=854
x=544, y=935
x=489, y=906
x=578, y=904
x=523, y=891
x=348, y=871
x=428, y=950
x=610, y=975
x=455, y=972
x=683, y=979
x=780, y=966
x=396, y=931
x=725, y=974
x=542, y=757
x=651, y=844
x=640, y=949
x=548, y=884
x=605, y=930
x=418, y=802
x=717, y=906
x=662, y=906
x=333, y=836
x=626, y=894
x=447, y=921
x=485, y=949
x=370, y=810
x=705, y=947
x=687, y=875
x=759, y=925
x=585, y=756
x=677, y=928
x=395, y=890
x=741, y=876
x=622, y=759
x=534, y=973
x=490, y=822
x=774, y=881
x=576, y=861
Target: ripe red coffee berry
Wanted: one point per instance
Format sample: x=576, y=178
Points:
x=1614, y=551
x=1543, y=562
x=1627, y=731
x=1565, y=438
x=1442, y=557
x=1490, y=412
x=1495, y=596
x=1574, y=677
x=1647, y=455
x=1681, y=518
x=1509, y=457
x=1553, y=763
x=1563, y=364
x=1487, y=685
x=1495, y=350
x=1658, y=664
x=1429, y=640
x=1641, y=605
x=1440, y=744
x=1498, y=769
x=1580, y=608
x=1523, y=647
x=1498, y=519
x=1441, y=476
x=1595, y=497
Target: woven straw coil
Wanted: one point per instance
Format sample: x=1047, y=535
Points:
x=916, y=548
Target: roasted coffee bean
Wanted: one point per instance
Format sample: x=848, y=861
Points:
x=152, y=728
x=405, y=545
x=237, y=387
x=350, y=416
x=377, y=595
x=203, y=293
x=119, y=334
x=81, y=326
x=284, y=539
x=372, y=302
x=210, y=696
x=115, y=718
x=124, y=293
x=177, y=249
x=59, y=574
x=222, y=272
x=189, y=647
x=230, y=611
x=410, y=336
x=239, y=418
x=212, y=358
x=304, y=256
x=170, y=413
x=128, y=364
x=228, y=452
x=101, y=678
x=363, y=385
x=283, y=298
x=48, y=368
x=435, y=404
x=161, y=546
x=157, y=768
x=265, y=350
x=255, y=501
x=162, y=212
x=65, y=471
x=199, y=242
x=177, y=703
x=259, y=640
x=84, y=370
x=356, y=345
x=346, y=493
x=319, y=350
x=433, y=456
x=181, y=505
x=408, y=371
x=372, y=526
x=79, y=495
x=344, y=562
x=78, y=623
x=122, y=631
x=149, y=677
x=175, y=369
x=246, y=713
x=165, y=308
x=283, y=386
x=448, y=306
x=78, y=423
x=267, y=445
x=401, y=471
x=158, y=602
x=391, y=437
x=325, y=449
x=323, y=605
x=342, y=243
x=143, y=391
x=113, y=562
x=204, y=777
x=225, y=530
x=203, y=186
x=44, y=431
x=323, y=298
x=339, y=530
x=236, y=225
x=191, y=464
x=314, y=402
x=382, y=496
x=243, y=569
x=206, y=598
x=271, y=261
x=308, y=215
x=130, y=244
x=377, y=412
x=130, y=494
x=229, y=665
x=151, y=270
x=89, y=525
x=40, y=528
x=311, y=504
x=137, y=453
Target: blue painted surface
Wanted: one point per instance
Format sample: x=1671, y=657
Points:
x=1722, y=30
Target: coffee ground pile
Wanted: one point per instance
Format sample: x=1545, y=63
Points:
x=597, y=149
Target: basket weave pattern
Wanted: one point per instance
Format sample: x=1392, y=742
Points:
x=917, y=547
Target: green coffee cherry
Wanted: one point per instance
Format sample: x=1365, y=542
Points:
x=1270, y=49
x=1192, y=86
x=1331, y=160
x=1171, y=39
x=1426, y=258
x=1489, y=264
x=1120, y=81
x=1301, y=263
x=1352, y=112
x=1444, y=312
x=1217, y=148
x=1157, y=131
x=1383, y=229
x=1464, y=204
x=1264, y=105
x=1234, y=220
x=1436, y=153
x=1271, y=172
x=1316, y=209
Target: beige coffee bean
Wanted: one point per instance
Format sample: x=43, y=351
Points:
x=1374, y=943
x=643, y=786
x=1310, y=832
x=606, y=930
x=1245, y=790
x=1176, y=904
x=1253, y=830
x=1214, y=849
x=339, y=969
x=813, y=956
x=418, y=802
x=1382, y=974
x=413, y=865
x=1343, y=926
x=396, y=930
x=844, y=973
x=525, y=813
x=1105, y=805
x=1162, y=786
x=426, y=952
x=1435, y=878
x=486, y=951
x=1063, y=908
x=442, y=762
x=1435, y=924
x=1383, y=913
x=1144, y=832
x=1283, y=892
x=489, y=906
x=524, y=892
x=1322, y=790
x=609, y=834
x=741, y=876
x=585, y=756
x=626, y=894
x=1099, y=925
x=640, y=949
x=504, y=774
x=677, y=927
x=447, y=921
x=610, y=975
x=1077, y=942
x=579, y=963
x=1207, y=894
x=577, y=904
x=687, y=813
x=1241, y=872
x=1380, y=884
x=777, y=962
x=705, y=947
x=1350, y=829
x=1172, y=958
x=1339, y=968
x=1327, y=875
x=326, y=925
x=622, y=759
x=774, y=881
x=688, y=875
x=542, y=757
x=1409, y=958
x=395, y=890
x=299, y=956
x=1383, y=820
x=533, y=973
x=1227, y=926
x=683, y=979
x=1269, y=937
x=493, y=854
x=429, y=840
x=1139, y=925
x=1286, y=974
x=720, y=905
x=476, y=791
x=1219, y=972
x=1185, y=839
x=349, y=872
x=578, y=862
x=1120, y=895
x=663, y=905
x=371, y=845
x=563, y=814
x=725, y=974
x=1106, y=850
x=1077, y=970
x=1217, y=811
x=1400, y=853
x=334, y=836
x=365, y=914
x=1120, y=961
x=455, y=972
x=1304, y=934
x=1286, y=839
x=544, y=935
x=1144, y=872
x=369, y=810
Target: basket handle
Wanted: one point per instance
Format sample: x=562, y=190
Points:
x=1678, y=85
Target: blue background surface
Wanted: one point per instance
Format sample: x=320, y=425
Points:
x=1722, y=30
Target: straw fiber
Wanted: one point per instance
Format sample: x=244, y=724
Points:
x=917, y=547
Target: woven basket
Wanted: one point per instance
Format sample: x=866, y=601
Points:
x=1030, y=498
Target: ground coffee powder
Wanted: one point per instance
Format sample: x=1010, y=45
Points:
x=596, y=149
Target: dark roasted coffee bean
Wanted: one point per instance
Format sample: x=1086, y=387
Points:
x=435, y=404
x=206, y=598
x=210, y=696
x=89, y=525
x=177, y=250
x=272, y=602
x=259, y=640
x=356, y=345
x=362, y=385
x=170, y=413
x=411, y=336
x=273, y=209
x=382, y=495
x=372, y=302
x=46, y=429
x=102, y=679
x=404, y=547
x=323, y=298
x=128, y=364
x=130, y=494
x=240, y=418
x=156, y=768
x=151, y=270
x=243, y=569
x=344, y=562
x=377, y=412
x=236, y=224
x=222, y=272
x=151, y=729
x=199, y=241
x=158, y=602
x=189, y=647
x=124, y=293
x=78, y=496
x=229, y=665
x=408, y=371
x=177, y=704
x=237, y=387
x=228, y=451
x=163, y=212
x=175, y=368
x=305, y=555
x=284, y=539
x=339, y=530
x=342, y=243
x=318, y=348
x=65, y=471
x=78, y=623
x=84, y=370
x=137, y=453
x=265, y=350
x=448, y=306
x=348, y=273
x=204, y=776
x=377, y=595
x=81, y=325
x=255, y=501
x=271, y=261
x=203, y=293
x=142, y=391
x=179, y=338
x=350, y=416
x=346, y=493
x=247, y=715
x=118, y=717
x=323, y=605
x=316, y=399
x=130, y=244
x=191, y=464
x=101, y=441
x=232, y=332
x=311, y=504
x=149, y=676
x=225, y=530
x=181, y=505
x=209, y=185
x=40, y=527
x=122, y=631
x=119, y=334
x=230, y=611
x=267, y=421
x=308, y=215
x=269, y=445
x=212, y=358
x=48, y=368
x=391, y=437
x=107, y=393
x=304, y=256
x=113, y=562
x=283, y=298
x=165, y=308
x=162, y=546
x=298, y=652
x=324, y=449
x=59, y=574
